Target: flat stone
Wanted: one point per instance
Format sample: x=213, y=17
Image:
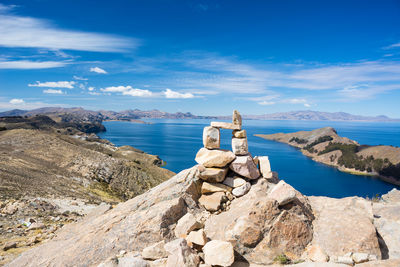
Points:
x=317, y=254
x=36, y=225
x=234, y=181
x=239, y=133
x=212, y=202
x=217, y=252
x=241, y=190
x=197, y=237
x=265, y=167
x=360, y=257
x=236, y=118
x=226, y=125
x=239, y=146
x=214, y=187
x=345, y=260
x=211, y=137
x=155, y=251
x=283, y=193
x=213, y=175
x=180, y=254
x=186, y=224
x=244, y=166
x=214, y=158
x=392, y=196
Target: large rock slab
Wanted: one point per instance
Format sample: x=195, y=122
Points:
x=226, y=125
x=211, y=137
x=255, y=214
x=212, y=175
x=387, y=223
x=217, y=252
x=344, y=225
x=244, y=166
x=214, y=158
x=393, y=196
x=239, y=146
x=131, y=226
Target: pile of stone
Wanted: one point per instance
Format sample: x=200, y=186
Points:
x=228, y=174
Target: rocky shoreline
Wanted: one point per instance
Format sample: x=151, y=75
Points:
x=325, y=146
x=229, y=210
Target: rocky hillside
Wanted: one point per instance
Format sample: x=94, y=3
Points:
x=51, y=176
x=229, y=210
x=326, y=146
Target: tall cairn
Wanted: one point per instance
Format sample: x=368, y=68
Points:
x=228, y=174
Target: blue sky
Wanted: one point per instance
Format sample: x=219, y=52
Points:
x=206, y=57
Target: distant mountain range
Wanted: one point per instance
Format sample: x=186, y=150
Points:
x=136, y=114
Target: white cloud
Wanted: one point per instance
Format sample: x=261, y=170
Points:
x=16, y=101
x=393, y=46
x=173, y=94
x=266, y=103
x=307, y=105
x=79, y=78
x=61, y=84
x=295, y=101
x=53, y=91
x=128, y=90
x=21, y=31
x=91, y=88
x=26, y=64
x=98, y=70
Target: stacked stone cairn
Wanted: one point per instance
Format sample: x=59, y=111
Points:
x=228, y=174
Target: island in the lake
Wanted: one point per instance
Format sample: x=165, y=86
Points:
x=326, y=146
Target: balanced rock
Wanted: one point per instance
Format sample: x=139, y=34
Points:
x=283, y=193
x=236, y=118
x=211, y=137
x=239, y=134
x=265, y=167
x=197, y=237
x=226, y=125
x=241, y=190
x=180, y=254
x=212, y=202
x=217, y=252
x=214, y=158
x=240, y=146
x=186, y=224
x=234, y=181
x=155, y=251
x=212, y=175
x=244, y=166
x=214, y=187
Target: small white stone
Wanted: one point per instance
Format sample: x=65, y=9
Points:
x=360, y=257
x=234, y=181
x=242, y=190
x=217, y=252
x=345, y=260
x=240, y=146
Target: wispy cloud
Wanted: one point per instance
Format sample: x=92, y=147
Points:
x=53, y=91
x=21, y=31
x=80, y=78
x=27, y=64
x=128, y=90
x=16, y=101
x=98, y=70
x=61, y=84
x=173, y=94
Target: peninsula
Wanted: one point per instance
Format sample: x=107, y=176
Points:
x=326, y=146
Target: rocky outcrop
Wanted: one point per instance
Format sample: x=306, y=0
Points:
x=326, y=146
x=189, y=221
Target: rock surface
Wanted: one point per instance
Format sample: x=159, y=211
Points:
x=186, y=224
x=213, y=175
x=283, y=193
x=155, y=251
x=239, y=146
x=347, y=220
x=234, y=181
x=217, y=252
x=211, y=137
x=180, y=254
x=213, y=201
x=244, y=166
x=214, y=158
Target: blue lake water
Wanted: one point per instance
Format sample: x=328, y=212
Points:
x=177, y=142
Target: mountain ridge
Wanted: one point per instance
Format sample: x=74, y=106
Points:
x=137, y=114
